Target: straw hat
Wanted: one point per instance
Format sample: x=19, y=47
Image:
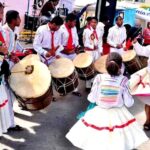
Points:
x=61, y=68
x=83, y=60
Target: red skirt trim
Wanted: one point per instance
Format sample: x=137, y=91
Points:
x=110, y=129
x=4, y=103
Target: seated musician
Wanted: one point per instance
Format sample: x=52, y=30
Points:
x=48, y=8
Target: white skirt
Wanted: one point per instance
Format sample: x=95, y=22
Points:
x=4, y=110
x=106, y=129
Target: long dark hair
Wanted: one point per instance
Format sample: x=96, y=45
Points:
x=113, y=64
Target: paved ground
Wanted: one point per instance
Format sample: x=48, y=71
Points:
x=46, y=129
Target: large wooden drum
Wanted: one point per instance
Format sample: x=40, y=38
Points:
x=84, y=66
x=131, y=61
x=30, y=80
x=65, y=79
x=100, y=64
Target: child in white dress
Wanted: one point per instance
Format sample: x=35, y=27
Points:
x=109, y=125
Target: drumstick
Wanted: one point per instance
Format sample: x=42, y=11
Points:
x=28, y=70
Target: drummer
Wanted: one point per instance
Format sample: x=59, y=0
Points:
x=47, y=42
x=117, y=36
x=70, y=40
x=92, y=40
x=8, y=107
x=144, y=51
x=48, y=8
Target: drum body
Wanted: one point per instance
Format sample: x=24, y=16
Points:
x=36, y=103
x=131, y=61
x=64, y=77
x=86, y=73
x=30, y=81
x=100, y=64
x=84, y=66
x=143, y=61
x=66, y=85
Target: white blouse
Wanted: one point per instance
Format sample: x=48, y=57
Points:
x=43, y=40
x=88, y=42
x=108, y=92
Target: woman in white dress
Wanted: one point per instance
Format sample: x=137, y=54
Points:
x=144, y=51
x=109, y=125
x=4, y=69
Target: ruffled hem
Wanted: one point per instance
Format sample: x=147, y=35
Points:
x=3, y=104
x=111, y=129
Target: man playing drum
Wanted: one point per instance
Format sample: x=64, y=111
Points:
x=5, y=67
x=92, y=40
x=47, y=41
x=70, y=41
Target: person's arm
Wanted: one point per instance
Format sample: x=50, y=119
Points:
x=110, y=37
x=127, y=97
x=141, y=50
x=92, y=97
x=37, y=43
x=82, y=11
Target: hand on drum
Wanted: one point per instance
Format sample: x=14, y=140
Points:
x=27, y=52
x=119, y=46
x=4, y=49
x=14, y=58
x=57, y=57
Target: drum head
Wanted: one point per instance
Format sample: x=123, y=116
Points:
x=128, y=55
x=100, y=64
x=32, y=84
x=83, y=60
x=32, y=57
x=61, y=68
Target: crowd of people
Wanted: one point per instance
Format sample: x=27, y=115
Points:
x=109, y=121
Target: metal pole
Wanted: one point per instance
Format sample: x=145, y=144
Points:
x=98, y=9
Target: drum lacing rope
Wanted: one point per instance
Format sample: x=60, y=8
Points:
x=64, y=84
x=85, y=74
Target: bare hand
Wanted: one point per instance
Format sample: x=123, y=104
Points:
x=4, y=49
x=119, y=46
x=14, y=58
x=134, y=41
x=48, y=54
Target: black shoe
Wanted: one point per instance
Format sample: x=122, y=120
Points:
x=146, y=127
x=88, y=89
x=76, y=94
x=16, y=128
x=54, y=99
x=63, y=94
